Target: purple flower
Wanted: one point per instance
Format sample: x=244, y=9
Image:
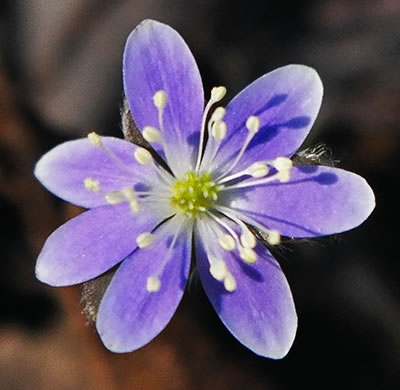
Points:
x=230, y=170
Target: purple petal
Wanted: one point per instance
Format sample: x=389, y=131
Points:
x=90, y=244
x=317, y=201
x=63, y=170
x=286, y=101
x=260, y=313
x=129, y=316
x=157, y=58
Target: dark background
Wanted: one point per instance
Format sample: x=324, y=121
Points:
x=60, y=77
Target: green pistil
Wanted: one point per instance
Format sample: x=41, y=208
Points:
x=194, y=194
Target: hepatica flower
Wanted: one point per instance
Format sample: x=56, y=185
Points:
x=230, y=171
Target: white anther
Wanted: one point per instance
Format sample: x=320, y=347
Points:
x=218, y=270
x=219, y=130
x=253, y=124
x=135, y=207
x=129, y=194
x=205, y=193
x=92, y=185
x=145, y=240
x=218, y=93
x=214, y=196
x=248, y=239
x=191, y=206
x=218, y=114
x=273, y=238
x=227, y=242
x=151, y=134
x=160, y=99
x=282, y=163
x=143, y=156
x=115, y=198
x=153, y=284
x=230, y=283
x=95, y=139
x=258, y=170
x=248, y=255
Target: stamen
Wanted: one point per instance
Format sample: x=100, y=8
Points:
x=152, y=135
x=218, y=114
x=248, y=255
x=227, y=242
x=219, y=130
x=143, y=156
x=230, y=283
x=273, y=237
x=218, y=270
x=153, y=284
x=145, y=240
x=92, y=185
x=115, y=198
x=218, y=93
x=248, y=239
x=258, y=170
x=284, y=166
x=160, y=99
x=253, y=125
x=95, y=139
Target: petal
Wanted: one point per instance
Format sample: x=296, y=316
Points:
x=90, y=244
x=63, y=170
x=286, y=101
x=157, y=58
x=129, y=316
x=317, y=201
x=260, y=313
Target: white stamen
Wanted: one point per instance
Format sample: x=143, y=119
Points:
x=218, y=93
x=218, y=114
x=273, y=238
x=219, y=130
x=143, y=156
x=248, y=239
x=160, y=99
x=92, y=185
x=282, y=163
x=258, y=170
x=95, y=139
x=227, y=242
x=253, y=124
x=135, y=207
x=115, y=198
x=151, y=134
x=218, y=270
x=129, y=194
x=145, y=240
x=230, y=283
x=248, y=255
x=153, y=284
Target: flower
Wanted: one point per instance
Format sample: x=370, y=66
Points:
x=230, y=171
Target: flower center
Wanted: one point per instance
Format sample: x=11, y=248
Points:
x=194, y=194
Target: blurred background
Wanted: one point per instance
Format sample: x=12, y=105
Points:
x=60, y=77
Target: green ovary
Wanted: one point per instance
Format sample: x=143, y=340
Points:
x=194, y=194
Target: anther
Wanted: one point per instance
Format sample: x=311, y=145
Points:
x=218, y=114
x=95, y=139
x=258, y=170
x=145, y=240
x=253, y=124
x=218, y=270
x=227, y=242
x=143, y=156
x=135, y=207
x=92, y=185
x=153, y=284
x=160, y=99
x=151, y=134
x=230, y=283
x=115, y=198
x=218, y=93
x=248, y=240
x=273, y=237
x=248, y=255
x=219, y=130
